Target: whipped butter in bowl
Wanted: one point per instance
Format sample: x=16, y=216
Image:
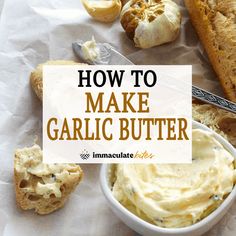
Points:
x=175, y=198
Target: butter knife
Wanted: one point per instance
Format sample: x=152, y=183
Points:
x=109, y=56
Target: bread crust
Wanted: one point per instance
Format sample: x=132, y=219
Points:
x=36, y=77
x=215, y=24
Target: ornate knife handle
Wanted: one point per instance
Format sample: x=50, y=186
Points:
x=213, y=99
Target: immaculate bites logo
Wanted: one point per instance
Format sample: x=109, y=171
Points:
x=117, y=114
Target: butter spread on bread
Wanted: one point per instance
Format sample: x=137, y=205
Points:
x=43, y=187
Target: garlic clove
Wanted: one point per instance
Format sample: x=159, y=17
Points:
x=104, y=11
x=123, y=2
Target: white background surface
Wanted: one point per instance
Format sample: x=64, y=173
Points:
x=32, y=32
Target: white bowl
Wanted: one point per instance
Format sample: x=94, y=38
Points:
x=147, y=229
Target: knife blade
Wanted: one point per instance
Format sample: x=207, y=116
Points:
x=116, y=58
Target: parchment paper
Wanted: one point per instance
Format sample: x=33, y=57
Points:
x=32, y=32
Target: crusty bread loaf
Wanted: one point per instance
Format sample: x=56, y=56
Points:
x=44, y=188
x=215, y=22
x=221, y=121
x=36, y=77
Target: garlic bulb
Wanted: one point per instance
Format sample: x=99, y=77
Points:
x=104, y=11
x=151, y=22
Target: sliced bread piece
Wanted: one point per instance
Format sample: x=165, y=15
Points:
x=42, y=187
x=221, y=121
x=215, y=23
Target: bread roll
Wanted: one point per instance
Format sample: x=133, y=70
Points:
x=36, y=77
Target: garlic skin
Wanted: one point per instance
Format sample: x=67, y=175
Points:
x=103, y=11
x=151, y=23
